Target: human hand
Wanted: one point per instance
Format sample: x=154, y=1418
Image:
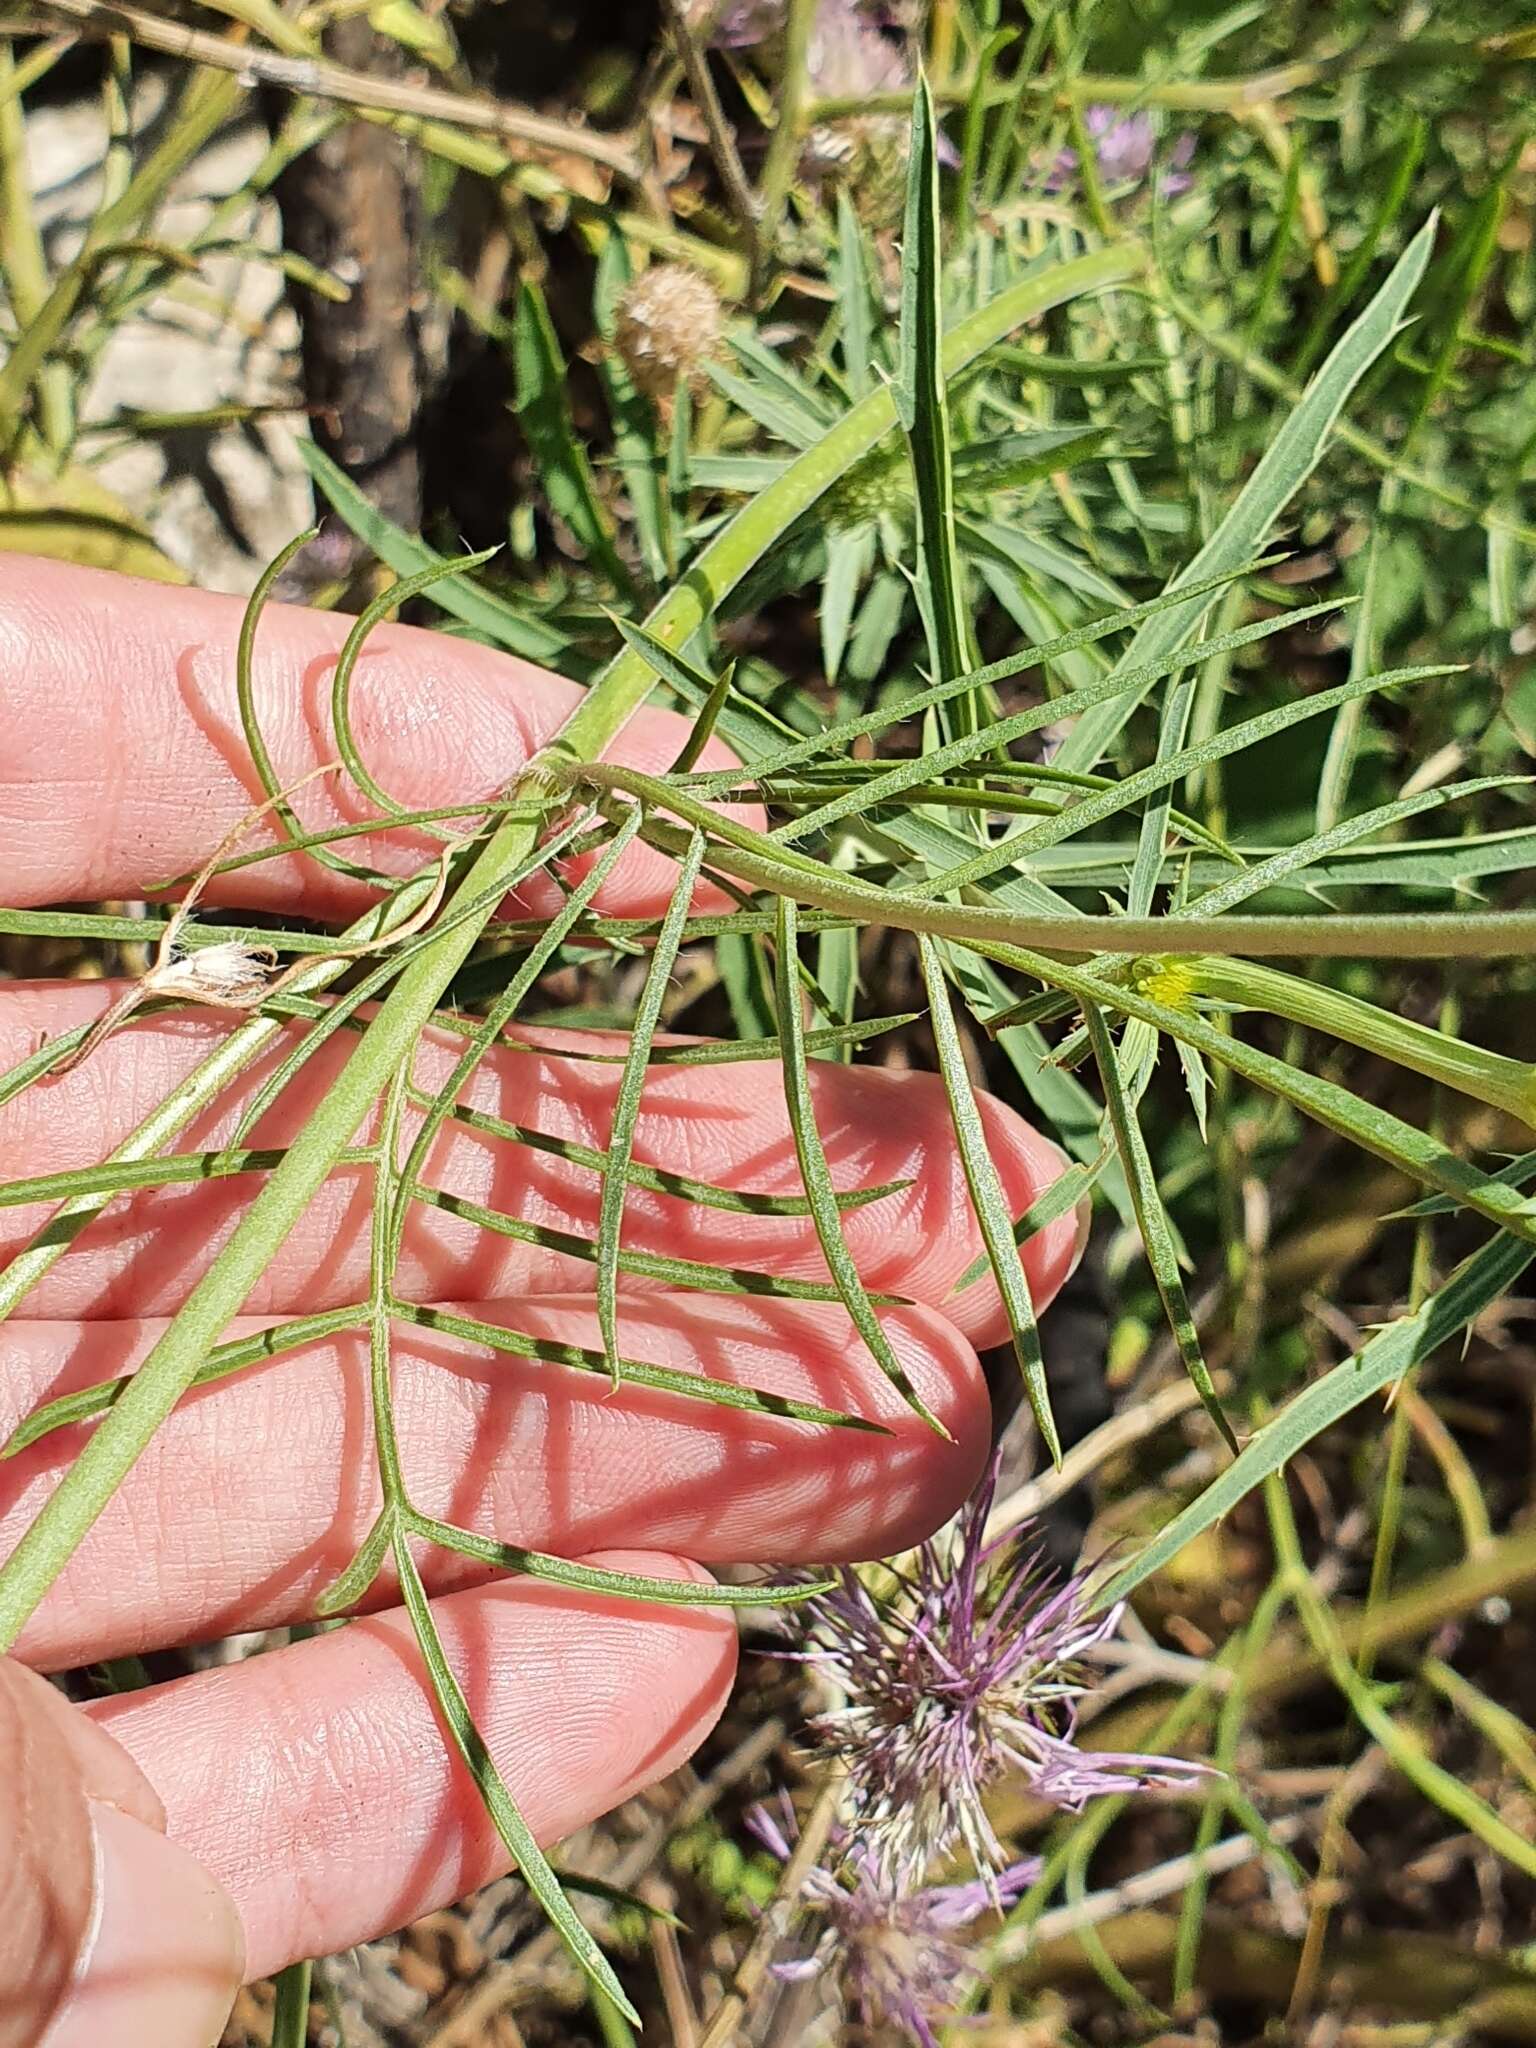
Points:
x=310, y=1799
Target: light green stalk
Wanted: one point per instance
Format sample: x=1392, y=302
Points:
x=389, y=1039
x=1486, y=1076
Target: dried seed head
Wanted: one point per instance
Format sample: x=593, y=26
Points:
x=229, y=975
x=668, y=325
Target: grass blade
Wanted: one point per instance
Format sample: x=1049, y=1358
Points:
x=560, y=460
x=487, y=615
x=1292, y=455
x=924, y=414
x=853, y=298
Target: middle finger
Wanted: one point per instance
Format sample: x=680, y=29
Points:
x=724, y=1124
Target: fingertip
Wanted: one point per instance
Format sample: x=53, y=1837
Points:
x=165, y=1954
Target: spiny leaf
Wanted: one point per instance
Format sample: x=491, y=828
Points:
x=702, y=730
x=814, y=1173
x=1003, y=732
x=1149, y=781
x=1063, y=1194
x=592, y=1578
x=658, y=1180
x=924, y=414
x=118, y=1176
x=839, y=738
x=225, y=1359
x=634, y=1372
x=1156, y=1233
x=853, y=297
x=691, y=1273
x=498, y=1801
x=987, y=1197
x=490, y=1028
x=626, y=1110
x=1293, y=453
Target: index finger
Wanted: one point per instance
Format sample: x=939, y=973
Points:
x=125, y=760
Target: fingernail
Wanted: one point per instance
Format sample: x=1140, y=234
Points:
x=162, y=1961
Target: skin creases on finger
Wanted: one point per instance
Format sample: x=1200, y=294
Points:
x=260, y=1489
x=122, y=709
x=316, y=1784
x=724, y=1124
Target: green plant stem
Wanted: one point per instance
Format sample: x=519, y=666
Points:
x=206, y=105
x=168, y=1370
x=388, y=1039
x=23, y=263
x=192, y=1094
x=290, y=2012
x=766, y=864
x=629, y=679
x=1486, y=1076
x=784, y=143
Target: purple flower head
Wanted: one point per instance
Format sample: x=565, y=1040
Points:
x=894, y=1950
x=1125, y=148
x=968, y=1670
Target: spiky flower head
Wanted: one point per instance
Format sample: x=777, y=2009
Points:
x=892, y=1949
x=967, y=1670
x=667, y=325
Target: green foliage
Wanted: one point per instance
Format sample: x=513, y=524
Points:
x=1189, y=524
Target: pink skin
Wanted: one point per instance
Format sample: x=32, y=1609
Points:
x=314, y=1784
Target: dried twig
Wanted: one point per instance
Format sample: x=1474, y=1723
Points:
x=319, y=79
x=744, y=203
x=775, y=1923
x=508, y=1983
x=1141, y=1890
x=1117, y=1434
